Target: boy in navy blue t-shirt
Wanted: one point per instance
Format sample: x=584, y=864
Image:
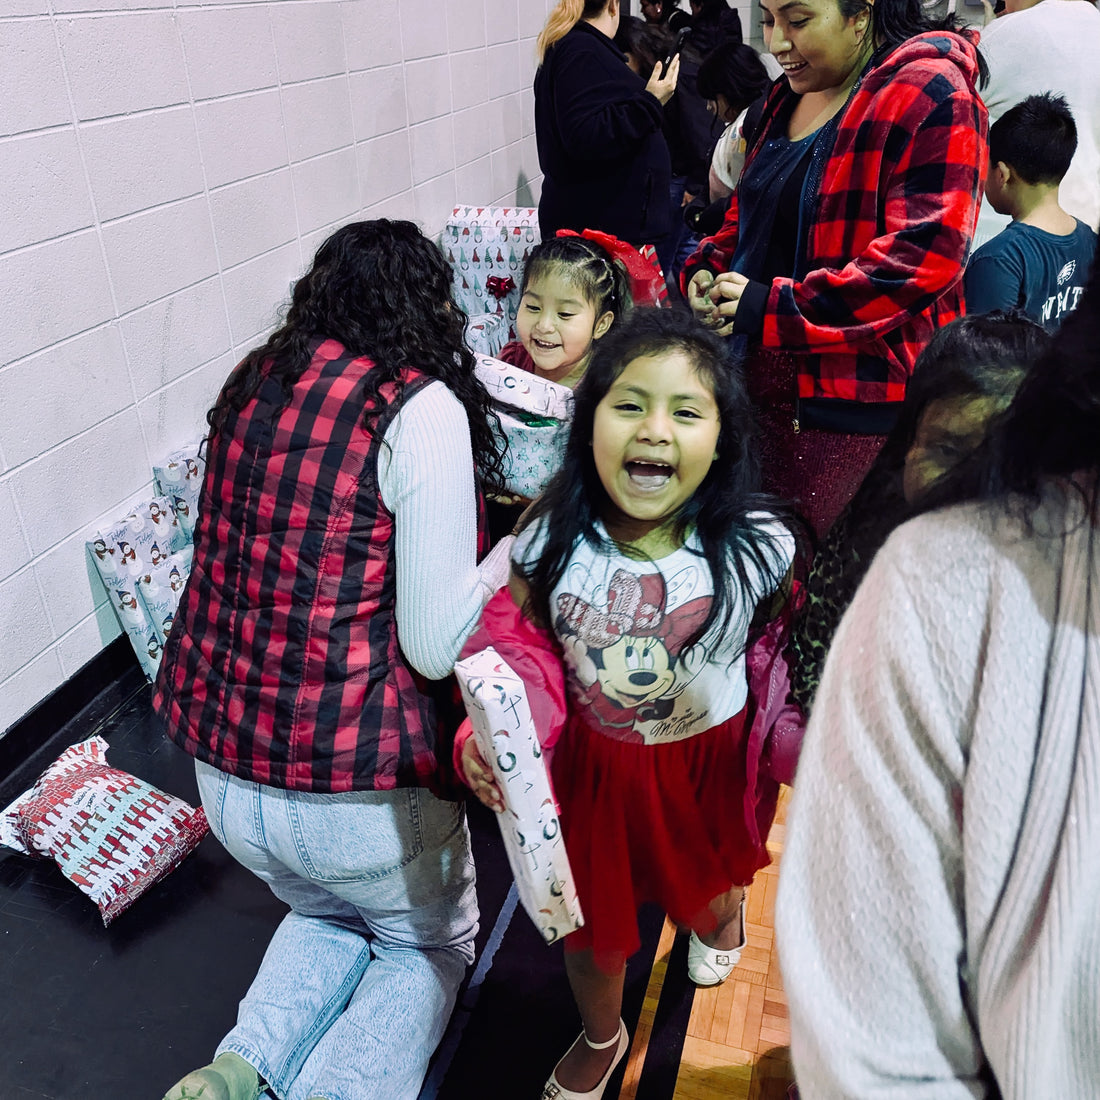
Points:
x=1040, y=263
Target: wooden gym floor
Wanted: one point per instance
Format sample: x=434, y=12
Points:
x=736, y=1046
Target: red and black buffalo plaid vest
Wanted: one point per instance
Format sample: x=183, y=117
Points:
x=283, y=666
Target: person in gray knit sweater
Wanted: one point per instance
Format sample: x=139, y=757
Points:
x=937, y=916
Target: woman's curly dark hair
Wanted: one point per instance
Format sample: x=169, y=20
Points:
x=382, y=290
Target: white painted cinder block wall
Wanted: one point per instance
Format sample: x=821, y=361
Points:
x=166, y=170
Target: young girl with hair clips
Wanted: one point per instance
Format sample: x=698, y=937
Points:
x=574, y=289
x=572, y=292
x=641, y=568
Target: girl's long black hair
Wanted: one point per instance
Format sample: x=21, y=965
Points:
x=382, y=290
x=1050, y=431
x=721, y=509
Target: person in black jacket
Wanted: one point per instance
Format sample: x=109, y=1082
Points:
x=604, y=158
x=712, y=23
x=690, y=130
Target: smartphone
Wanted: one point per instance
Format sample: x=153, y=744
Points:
x=681, y=37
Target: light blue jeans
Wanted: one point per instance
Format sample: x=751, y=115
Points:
x=359, y=980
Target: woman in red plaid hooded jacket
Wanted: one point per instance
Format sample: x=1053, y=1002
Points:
x=844, y=245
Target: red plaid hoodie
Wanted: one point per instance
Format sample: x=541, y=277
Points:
x=282, y=665
x=888, y=225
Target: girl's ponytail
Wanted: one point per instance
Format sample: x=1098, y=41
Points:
x=563, y=19
x=600, y=277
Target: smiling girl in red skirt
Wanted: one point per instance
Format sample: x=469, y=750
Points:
x=644, y=564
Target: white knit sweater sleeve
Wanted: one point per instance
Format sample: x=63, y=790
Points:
x=939, y=890
x=868, y=914
x=426, y=477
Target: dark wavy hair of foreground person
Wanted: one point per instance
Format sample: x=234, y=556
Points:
x=720, y=510
x=382, y=290
x=1051, y=431
x=975, y=357
x=978, y=355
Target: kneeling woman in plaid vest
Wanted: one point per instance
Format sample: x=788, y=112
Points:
x=335, y=579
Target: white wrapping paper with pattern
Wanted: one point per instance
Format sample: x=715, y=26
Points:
x=535, y=415
x=496, y=701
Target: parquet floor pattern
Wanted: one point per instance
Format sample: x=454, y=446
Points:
x=736, y=1046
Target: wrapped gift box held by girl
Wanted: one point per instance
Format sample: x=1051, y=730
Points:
x=535, y=415
x=487, y=333
x=487, y=246
x=496, y=701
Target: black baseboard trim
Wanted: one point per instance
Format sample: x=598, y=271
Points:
x=75, y=709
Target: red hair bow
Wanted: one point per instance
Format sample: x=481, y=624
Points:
x=647, y=283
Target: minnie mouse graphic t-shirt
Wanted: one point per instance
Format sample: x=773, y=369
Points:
x=623, y=624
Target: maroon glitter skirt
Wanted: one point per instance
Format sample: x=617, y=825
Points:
x=818, y=471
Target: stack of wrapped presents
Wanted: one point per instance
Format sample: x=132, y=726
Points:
x=144, y=557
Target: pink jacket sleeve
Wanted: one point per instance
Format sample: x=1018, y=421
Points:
x=533, y=654
x=775, y=736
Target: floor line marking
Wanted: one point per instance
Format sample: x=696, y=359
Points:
x=640, y=1044
x=448, y=1046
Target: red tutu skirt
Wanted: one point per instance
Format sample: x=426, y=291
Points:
x=662, y=823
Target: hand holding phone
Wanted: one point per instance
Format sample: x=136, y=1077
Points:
x=662, y=81
x=681, y=37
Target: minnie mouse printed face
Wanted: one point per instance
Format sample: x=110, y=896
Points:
x=631, y=647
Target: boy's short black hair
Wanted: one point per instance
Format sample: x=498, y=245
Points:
x=1037, y=138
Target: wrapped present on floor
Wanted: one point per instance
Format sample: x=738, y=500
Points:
x=487, y=333
x=111, y=834
x=179, y=477
x=160, y=589
x=535, y=415
x=496, y=702
x=124, y=553
x=488, y=246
